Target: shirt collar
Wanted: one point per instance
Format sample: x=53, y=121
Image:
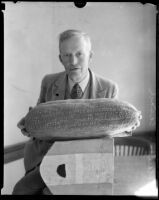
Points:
x=82, y=84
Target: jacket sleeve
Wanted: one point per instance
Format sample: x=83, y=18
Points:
x=43, y=90
x=115, y=91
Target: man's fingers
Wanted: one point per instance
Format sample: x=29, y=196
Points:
x=20, y=126
x=30, y=108
x=21, y=123
x=137, y=124
x=134, y=127
x=128, y=132
x=25, y=132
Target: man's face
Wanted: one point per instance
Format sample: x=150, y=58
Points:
x=75, y=56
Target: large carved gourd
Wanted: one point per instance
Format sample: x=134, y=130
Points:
x=81, y=118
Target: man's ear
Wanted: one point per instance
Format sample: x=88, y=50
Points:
x=91, y=54
x=60, y=58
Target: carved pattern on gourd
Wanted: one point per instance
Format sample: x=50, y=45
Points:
x=80, y=117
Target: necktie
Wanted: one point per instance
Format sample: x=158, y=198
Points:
x=76, y=92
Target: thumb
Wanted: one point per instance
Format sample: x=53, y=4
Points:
x=30, y=108
x=21, y=123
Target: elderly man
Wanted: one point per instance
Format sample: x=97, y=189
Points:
x=77, y=81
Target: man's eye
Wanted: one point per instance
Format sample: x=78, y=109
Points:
x=66, y=55
x=79, y=54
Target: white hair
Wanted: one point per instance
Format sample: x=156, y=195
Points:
x=71, y=33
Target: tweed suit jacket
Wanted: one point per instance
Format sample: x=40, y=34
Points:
x=53, y=88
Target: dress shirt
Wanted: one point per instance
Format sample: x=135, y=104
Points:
x=83, y=83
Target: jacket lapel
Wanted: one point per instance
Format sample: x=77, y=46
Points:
x=60, y=87
x=96, y=89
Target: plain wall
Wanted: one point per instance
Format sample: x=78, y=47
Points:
x=124, y=45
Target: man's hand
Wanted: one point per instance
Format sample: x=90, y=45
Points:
x=136, y=125
x=22, y=127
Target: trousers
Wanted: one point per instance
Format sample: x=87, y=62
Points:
x=32, y=183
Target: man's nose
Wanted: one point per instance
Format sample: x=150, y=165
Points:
x=73, y=60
